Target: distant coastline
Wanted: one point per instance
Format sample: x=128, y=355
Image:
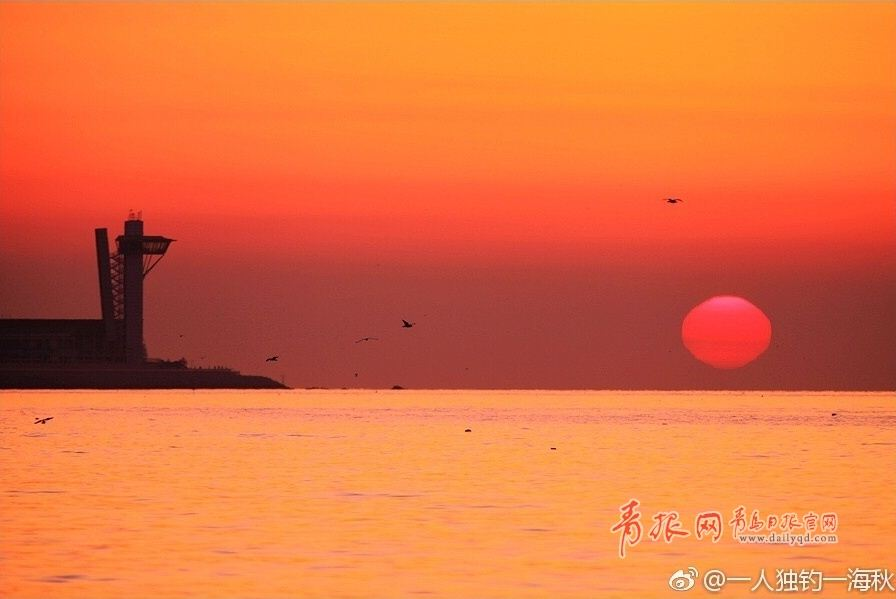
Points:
x=148, y=377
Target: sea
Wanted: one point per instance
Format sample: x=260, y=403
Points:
x=455, y=494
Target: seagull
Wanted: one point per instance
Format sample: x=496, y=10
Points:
x=673, y=200
x=273, y=359
x=406, y=324
x=367, y=339
x=42, y=420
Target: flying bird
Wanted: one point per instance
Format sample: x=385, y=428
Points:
x=673, y=200
x=406, y=324
x=273, y=359
x=42, y=420
x=367, y=339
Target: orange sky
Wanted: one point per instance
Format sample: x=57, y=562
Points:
x=453, y=136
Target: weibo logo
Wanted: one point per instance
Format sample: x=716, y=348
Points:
x=683, y=581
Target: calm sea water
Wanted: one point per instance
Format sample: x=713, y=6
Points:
x=384, y=494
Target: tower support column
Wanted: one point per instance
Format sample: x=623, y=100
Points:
x=131, y=246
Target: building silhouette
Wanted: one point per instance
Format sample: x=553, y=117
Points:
x=118, y=336
x=108, y=352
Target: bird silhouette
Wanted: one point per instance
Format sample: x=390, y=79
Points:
x=406, y=325
x=367, y=339
x=673, y=200
x=42, y=420
x=273, y=359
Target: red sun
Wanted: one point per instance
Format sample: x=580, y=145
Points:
x=726, y=331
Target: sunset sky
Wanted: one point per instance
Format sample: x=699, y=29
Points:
x=491, y=171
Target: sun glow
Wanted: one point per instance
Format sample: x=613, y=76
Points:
x=726, y=332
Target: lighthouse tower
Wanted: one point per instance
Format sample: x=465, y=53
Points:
x=121, y=284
